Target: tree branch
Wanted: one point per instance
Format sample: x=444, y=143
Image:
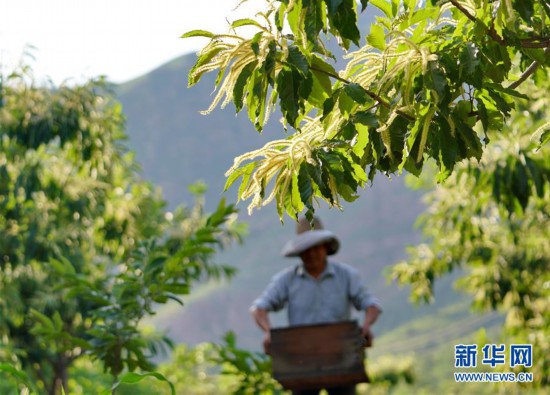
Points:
x=373, y=95
x=538, y=42
x=535, y=43
x=463, y=10
x=529, y=71
x=492, y=33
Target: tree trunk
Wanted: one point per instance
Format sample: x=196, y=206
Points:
x=61, y=377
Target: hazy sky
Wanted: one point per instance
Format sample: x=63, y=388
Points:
x=123, y=39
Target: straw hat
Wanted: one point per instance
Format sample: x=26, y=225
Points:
x=308, y=237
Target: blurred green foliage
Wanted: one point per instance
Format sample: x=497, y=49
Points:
x=211, y=369
x=87, y=248
x=493, y=220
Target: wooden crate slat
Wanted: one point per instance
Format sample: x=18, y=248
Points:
x=316, y=356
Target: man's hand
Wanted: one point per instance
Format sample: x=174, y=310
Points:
x=371, y=315
x=262, y=319
x=267, y=342
x=367, y=335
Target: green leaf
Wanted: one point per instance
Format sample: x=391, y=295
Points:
x=546, y=7
x=294, y=19
x=435, y=79
x=178, y=289
x=421, y=15
x=491, y=118
x=297, y=203
x=344, y=21
x=347, y=132
x=62, y=266
x=361, y=140
x=305, y=89
x=255, y=43
x=348, y=193
x=244, y=171
x=542, y=134
x=19, y=375
x=356, y=92
x=444, y=148
x=410, y=5
x=524, y=8
x=193, y=76
x=317, y=177
x=366, y=118
x=321, y=89
x=545, y=138
x=58, y=322
x=297, y=60
x=364, y=4
x=305, y=187
x=314, y=19
x=426, y=123
x=377, y=37
x=395, y=6
x=219, y=77
x=393, y=138
x=469, y=137
x=197, y=33
x=346, y=104
x=520, y=186
x=247, y=174
x=483, y=115
x=255, y=99
x=268, y=65
x=242, y=81
x=359, y=173
x=246, y=22
x=329, y=104
x=538, y=180
x=384, y=5
x=132, y=378
x=333, y=5
x=332, y=161
x=412, y=166
x=508, y=91
x=288, y=82
x=352, y=177
x=496, y=62
x=501, y=104
x=469, y=58
x=43, y=319
x=320, y=65
x=280, y=16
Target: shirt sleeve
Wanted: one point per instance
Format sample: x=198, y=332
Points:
x=358, y=294
x=275, y=296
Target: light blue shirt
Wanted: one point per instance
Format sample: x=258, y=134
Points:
x=312, y=301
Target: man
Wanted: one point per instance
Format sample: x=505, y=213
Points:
x=317, y=290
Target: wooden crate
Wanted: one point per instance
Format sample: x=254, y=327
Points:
x=318, y=356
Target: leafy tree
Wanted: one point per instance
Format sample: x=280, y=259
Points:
x=433, y=79
x=251, y=370
x=220, y=369
x=87, y=247
x=482, y=219
x=192, y=370
x=387, y=372
x=462, y=84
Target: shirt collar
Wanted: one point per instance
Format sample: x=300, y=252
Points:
x=329, y=270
